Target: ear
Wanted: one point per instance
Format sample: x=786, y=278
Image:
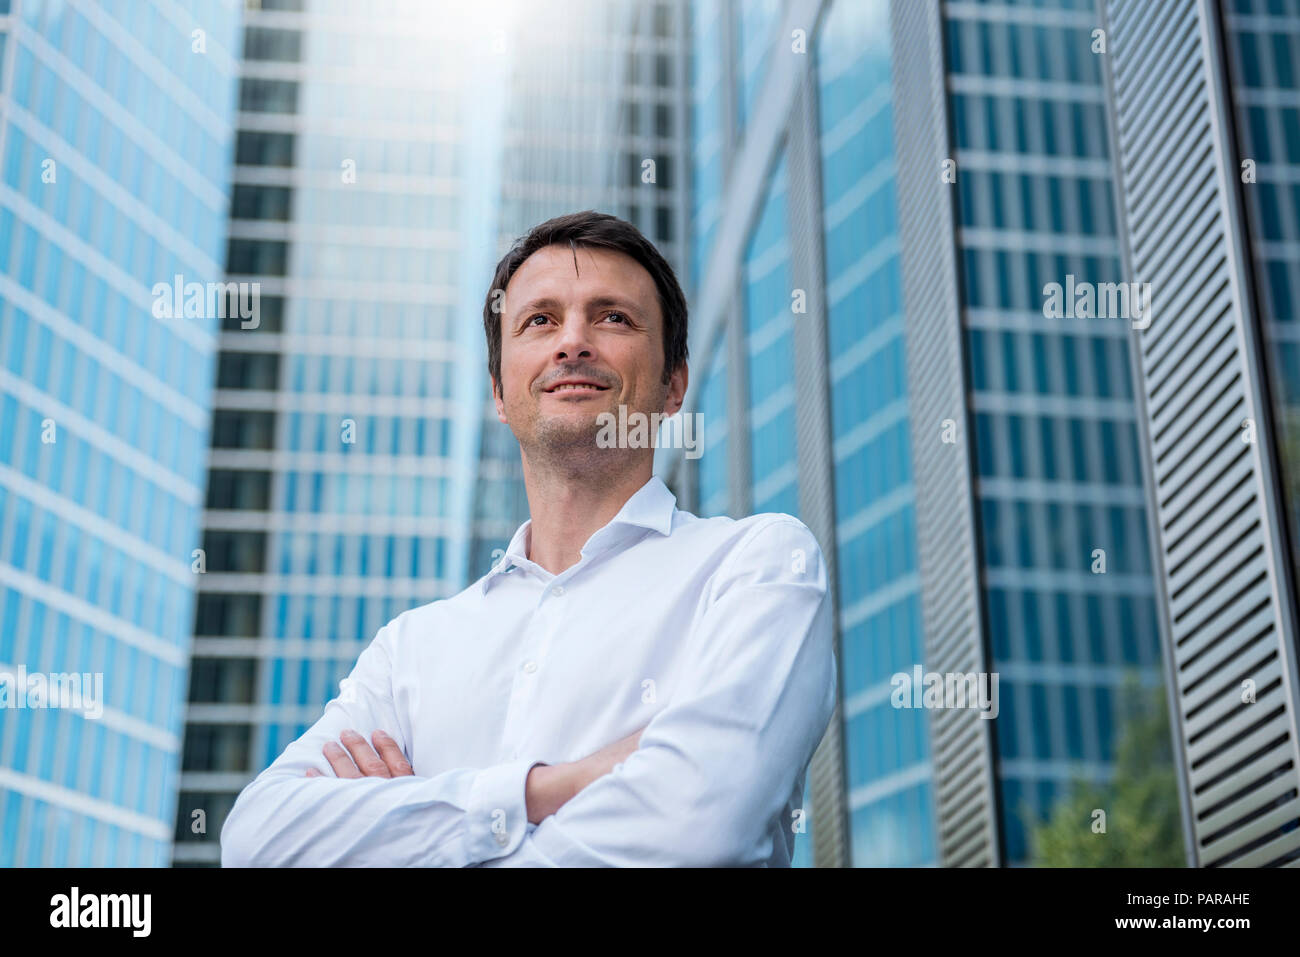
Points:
x=676, y=390
x=497, y=400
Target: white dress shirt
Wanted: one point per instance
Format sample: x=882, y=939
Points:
x=712, y=634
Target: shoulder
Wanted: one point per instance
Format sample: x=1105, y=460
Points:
x=769, y=528
x=736, y=534
x=767, y=547
x=739, y=532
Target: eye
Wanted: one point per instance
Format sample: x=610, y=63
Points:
x=620, y=316
x=529, y=321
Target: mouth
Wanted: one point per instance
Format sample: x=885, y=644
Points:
x=576, y=388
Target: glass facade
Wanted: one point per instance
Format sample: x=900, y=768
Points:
x=190, y=501
x=596, y=119
x=1067, y=590
x=1263, y=51
x=768, y=337
x=769, y=350
x=760, y=405
x=890, y=796
x=708, y=131
x=709, y=139
x=755, y=21
x=714, y=491
x=114, y=169
x=1069, y=599
x=358, y=467
x=347, y=423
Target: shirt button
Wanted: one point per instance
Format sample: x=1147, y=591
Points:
x=557, y=591
x=530, y=666
x=502, y=838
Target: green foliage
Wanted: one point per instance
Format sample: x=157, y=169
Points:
x=1143, y=818
x=1291, y=453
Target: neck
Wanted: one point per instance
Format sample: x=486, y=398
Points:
x=569, y=504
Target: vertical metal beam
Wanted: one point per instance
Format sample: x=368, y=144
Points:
x=740, y=479
x=813, y=437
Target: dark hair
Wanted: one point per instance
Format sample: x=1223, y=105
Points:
x=591, y=229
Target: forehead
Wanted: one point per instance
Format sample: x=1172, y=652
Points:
x=551, y=272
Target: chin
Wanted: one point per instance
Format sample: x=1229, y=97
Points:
x=577, y=428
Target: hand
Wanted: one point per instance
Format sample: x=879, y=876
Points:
x=384, y=761
x=549, y=787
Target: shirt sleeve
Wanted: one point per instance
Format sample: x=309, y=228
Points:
x=715, y=767
x=455, y=818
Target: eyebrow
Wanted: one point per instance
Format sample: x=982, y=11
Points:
x=600, y=302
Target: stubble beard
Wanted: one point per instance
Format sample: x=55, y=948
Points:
x=566, y=444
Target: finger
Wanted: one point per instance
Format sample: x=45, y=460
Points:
x=392, y=754
x=313, y=773
x=371, y=764
x=339, y=761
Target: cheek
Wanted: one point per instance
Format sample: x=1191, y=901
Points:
x=517, y=393
x=515, y=375
x=643, y=379
x=630, y=368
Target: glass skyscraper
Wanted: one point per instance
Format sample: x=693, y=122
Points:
x=114, y=169
x=385, y=158
x=802, y=385
x=595, y=119
x=346, y=434
x=756, y=294
x=1067, y=589
x=890, y=797
x=869, y=326
x=869, y=204
x=1263, y=56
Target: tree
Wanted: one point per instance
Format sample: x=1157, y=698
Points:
x=1290, y=467
x=1143, y=818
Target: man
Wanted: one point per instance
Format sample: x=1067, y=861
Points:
x=630, y=685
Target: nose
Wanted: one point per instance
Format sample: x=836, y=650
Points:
x=574, y=341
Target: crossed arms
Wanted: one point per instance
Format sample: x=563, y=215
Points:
x=700, y=786
x=546, y=788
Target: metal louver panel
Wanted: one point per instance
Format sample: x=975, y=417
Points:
x=1215, y=502
x=961, y=748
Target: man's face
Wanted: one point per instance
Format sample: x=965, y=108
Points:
x=576, y=343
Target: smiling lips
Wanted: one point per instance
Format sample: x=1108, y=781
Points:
x=576, y=387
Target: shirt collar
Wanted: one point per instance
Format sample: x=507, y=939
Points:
x=652, y=506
